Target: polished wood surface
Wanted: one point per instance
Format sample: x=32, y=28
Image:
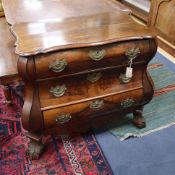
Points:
x=35, y=38
x=114, y=56
x=58, y=56
x=83, y=90
x=26, y=67
x=83, y=112
x=51, y=10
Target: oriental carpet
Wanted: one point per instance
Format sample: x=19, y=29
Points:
x=62, y=156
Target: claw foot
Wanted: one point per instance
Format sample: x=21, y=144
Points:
x=138, y=119
x=34, y=149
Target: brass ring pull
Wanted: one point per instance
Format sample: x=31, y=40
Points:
x=96, y=104
x=58, y=65
x=125, y=79
x=64, y=118
x=97, y=55
x=132, y=53
x=58, y=91
x=127, y=102
x=93, y=77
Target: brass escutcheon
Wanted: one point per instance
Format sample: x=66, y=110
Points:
x=58, y=91
x=96, y=104
x=124, y=79
x=127, y=102
x=97, y=55
x=64, y=118
x=132, y=53
x=93, y=77
x=58, y=65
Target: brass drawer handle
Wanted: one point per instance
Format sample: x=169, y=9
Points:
x=127, y=102
x=97, y=55
x=64, y=118
x=58, y=65
x=58, y=91
x=96, y=104
x=93, y=77
x=132, y=53
x=125, y=79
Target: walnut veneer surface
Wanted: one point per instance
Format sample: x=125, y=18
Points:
x=74, y=68
x=42, y=37
x=47, y=10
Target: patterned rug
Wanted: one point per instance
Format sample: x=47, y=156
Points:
x=63, y=155
x=160, y=112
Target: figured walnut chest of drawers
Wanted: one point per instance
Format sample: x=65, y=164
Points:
x=75, y=73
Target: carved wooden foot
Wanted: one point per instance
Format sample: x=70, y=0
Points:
x=35, y=149
x=138, y=119
x=35, y=146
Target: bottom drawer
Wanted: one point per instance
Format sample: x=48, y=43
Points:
x=72, y=114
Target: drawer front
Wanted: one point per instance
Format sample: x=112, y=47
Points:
x=66, y=91
x=86, y=59
x=81, y=112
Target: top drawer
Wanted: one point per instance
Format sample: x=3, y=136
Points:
x=69, y=62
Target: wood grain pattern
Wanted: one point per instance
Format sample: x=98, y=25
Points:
x=78, y=28
x=31, y=114
x=77, y=32
x=116, y=36
x=50, y=10
x=83, y=112
x=80, y=89
x=114, y=56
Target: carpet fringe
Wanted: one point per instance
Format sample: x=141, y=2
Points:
x=126, y=136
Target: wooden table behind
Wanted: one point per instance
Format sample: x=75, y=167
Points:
x=8, y=58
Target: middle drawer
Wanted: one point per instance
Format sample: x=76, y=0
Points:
x=65, y=91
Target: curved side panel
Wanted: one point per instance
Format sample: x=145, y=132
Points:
x=148, y=88
x=32, y=119
x=148, y=84
x=22, y=70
